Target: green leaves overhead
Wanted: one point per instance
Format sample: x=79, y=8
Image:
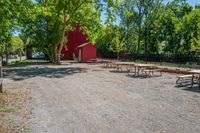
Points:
x=131, y=26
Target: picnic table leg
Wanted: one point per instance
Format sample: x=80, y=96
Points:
x=199, y=81
x=177, y=81
x=106, y=65
x=135, y=70
x=192, y=81
x=120, y=68
x=138, y=71
x=127, y=68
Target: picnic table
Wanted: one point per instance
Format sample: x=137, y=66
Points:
x=194, y=73
x=119, y=65
x=192, y=76
x=134, y=66
x=107, y=63
x=139, y=67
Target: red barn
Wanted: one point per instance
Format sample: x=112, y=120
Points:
x=75, y=38
x=86, y=52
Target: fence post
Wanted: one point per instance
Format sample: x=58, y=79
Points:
x=1, y=77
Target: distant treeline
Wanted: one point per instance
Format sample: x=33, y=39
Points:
x=151, y=27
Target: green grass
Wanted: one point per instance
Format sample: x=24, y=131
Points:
x=6, y=110
x=27, y=62
x=26, y=130
x=21, y=62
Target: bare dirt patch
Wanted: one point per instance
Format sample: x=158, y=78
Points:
x=13, y=109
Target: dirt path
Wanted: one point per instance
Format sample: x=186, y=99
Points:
x=82, y=98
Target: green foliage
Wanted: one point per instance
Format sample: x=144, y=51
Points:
x=17, y=45
x=143, y=25
x=191, y=31
x=117, y=44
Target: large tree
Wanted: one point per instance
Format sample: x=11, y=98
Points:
x=48, y=22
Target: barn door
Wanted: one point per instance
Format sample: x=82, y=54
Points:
x=79, y=55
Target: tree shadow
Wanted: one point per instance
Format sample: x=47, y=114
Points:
x=48, y=72
x=141, y=76
x=117, y=71
x=195, y=89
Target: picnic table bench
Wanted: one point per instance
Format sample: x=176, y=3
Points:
x=108, y=63
x=189, y=79
x=146, y=69
x=182, y=80
x=195, y=77
x=152, y=71
x=119, y=65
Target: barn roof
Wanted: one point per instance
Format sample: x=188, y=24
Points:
x=84, y=44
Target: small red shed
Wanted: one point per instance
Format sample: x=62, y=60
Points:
x=87, y=52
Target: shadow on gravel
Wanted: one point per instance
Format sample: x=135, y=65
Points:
x=116, y=71
x=26, y=73
x=192, y=89
x=143, y=76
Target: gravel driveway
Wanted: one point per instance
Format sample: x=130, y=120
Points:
x=86, y=98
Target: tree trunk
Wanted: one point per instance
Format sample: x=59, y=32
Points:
x=20, y=57
x=139, y=34
x=1, y=60
x=7, y=60
x=118, y=55
x=1, y=87
x=62, y=39
x=51, y=54
x=1, y=77
x=146, y=38
x=55, y=54
x=139, y=29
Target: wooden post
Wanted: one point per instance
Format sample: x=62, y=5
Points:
x=1, y=78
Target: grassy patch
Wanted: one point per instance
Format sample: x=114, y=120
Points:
x=26, y=130
x=23, y=62
x=28, y=62
x=15, y=100
x=6, y=110
x=13, y=112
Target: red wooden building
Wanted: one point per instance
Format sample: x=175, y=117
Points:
x=87, y=52
x=75, y=39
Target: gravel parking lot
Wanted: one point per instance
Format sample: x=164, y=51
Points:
x=86, y=98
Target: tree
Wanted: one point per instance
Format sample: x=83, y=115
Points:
x=17, y=46
x=190, y=31
x=47, y=23
x=117, y=44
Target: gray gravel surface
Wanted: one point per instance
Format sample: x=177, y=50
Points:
x=83, y=98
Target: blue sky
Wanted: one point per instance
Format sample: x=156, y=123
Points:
x=192, y=2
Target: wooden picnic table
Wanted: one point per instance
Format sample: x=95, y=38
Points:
x=107, y=63
x=125, y=63
x=119, y=65
x=194, y=73
x=139, y=67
